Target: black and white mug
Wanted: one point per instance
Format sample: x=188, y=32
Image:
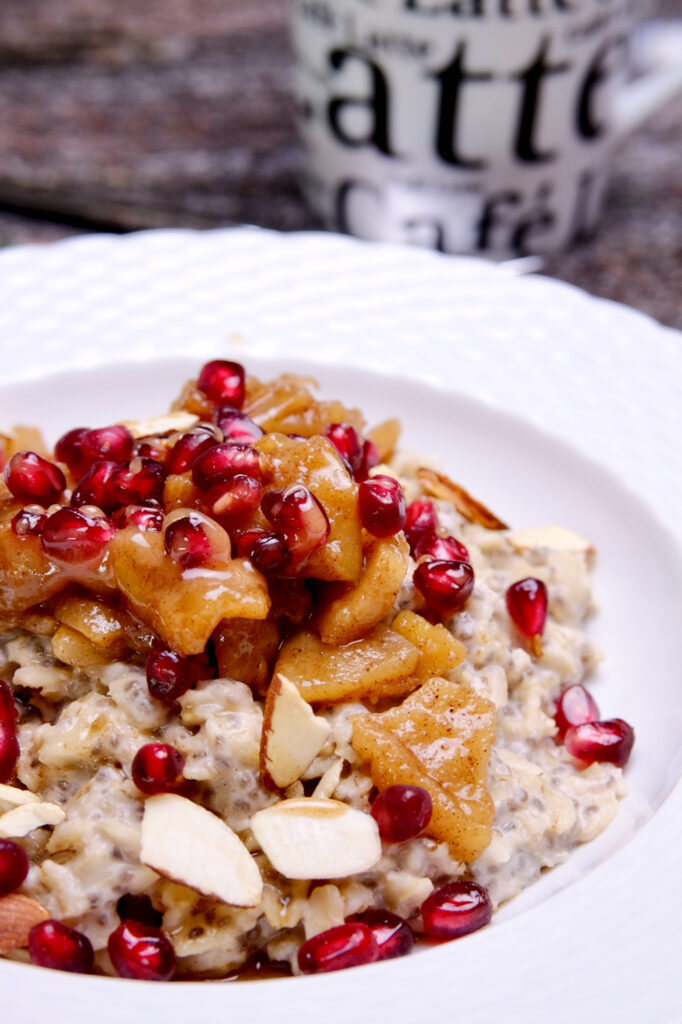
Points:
x=468, y=126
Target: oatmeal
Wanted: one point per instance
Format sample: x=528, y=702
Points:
x=272, y=688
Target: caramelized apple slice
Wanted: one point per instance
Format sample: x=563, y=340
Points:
x=184, y=605
x=286, y=405
x=439, y=738
x=439, y=650
x=315, y=463
x=246, y=650
x=380, y=665
x=358, y=608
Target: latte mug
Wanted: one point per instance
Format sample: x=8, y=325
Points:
x=467, y=126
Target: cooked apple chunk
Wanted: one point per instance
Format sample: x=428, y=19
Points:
x=246, y=649
x=439, y=650
x=438, y=738
x=359, y=607
x=288, y=406
x=316, y=464
x=184, y=606
x=380, y=665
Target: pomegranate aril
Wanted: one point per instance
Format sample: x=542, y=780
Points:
x=169, y=675
x=369, y=458
x=141, y=481
x=32, y=478
x=606, y=741
x=157, y=768
x=527, y=606
x=237, y=427
x=187, y=542
x=445, y=585
x=222, y=381
x=96, y=486
x=150, y=448
x=53, y=944
x=402, y=812
x=137, y=907
x=238, y=496
x=297, y=514
x=13, y=866
x=189, y=446
x=29, y=522
x=8, y=709
x=9, y=744
x=574, y=706
x=224, y=461
x=148, y=518
x=69, y=450
x=70, y=535
x=346, y=945
x=266, y=549
x=383, y=508
x=138, y=950
x=9, y=749
x=455, y=910
x=448, y=548
x=420, y=518
x=345, y=439
x=113, y=443
x=393, y=935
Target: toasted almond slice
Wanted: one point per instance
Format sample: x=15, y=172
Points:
x=23, y=819
x=15, y=796
x=329, y=781
x=18, y=914
x=312, y=838
x=188, y=844
x=164, y=423
x=555, y=538
x=292, y=735
x=438, y=485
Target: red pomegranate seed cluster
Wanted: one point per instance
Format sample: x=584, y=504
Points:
x=587, y=738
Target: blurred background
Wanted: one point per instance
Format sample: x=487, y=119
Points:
x=128, y=115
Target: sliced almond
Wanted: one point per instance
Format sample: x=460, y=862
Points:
x=165, y=423
x=188, y=844
x=23, y=819
x=313, y=838
x=292, y=735
x=438, y=485
x=18, y=914
x=329, y=781
x=554, y=538
x=15, y=796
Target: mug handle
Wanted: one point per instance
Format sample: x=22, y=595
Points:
x=651, y=90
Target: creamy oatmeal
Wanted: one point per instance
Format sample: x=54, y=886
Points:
x=274, y=689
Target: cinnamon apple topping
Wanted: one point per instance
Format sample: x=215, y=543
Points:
x=280, y=688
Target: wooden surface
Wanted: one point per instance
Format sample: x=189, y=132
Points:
x=179, y=112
